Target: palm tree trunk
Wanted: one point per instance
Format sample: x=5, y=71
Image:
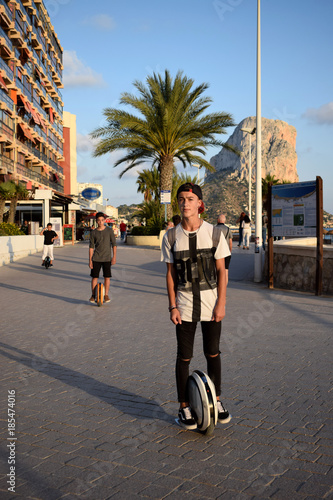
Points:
x=2, y=209
x=12, y=210
x=166, y=174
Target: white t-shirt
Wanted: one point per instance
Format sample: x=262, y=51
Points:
x=196, y=298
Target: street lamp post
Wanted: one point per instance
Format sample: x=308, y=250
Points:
x=258, y=230
x=106, y=200
x=250, y=131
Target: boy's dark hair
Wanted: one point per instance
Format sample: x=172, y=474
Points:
x=49, y=224
x=100, y=214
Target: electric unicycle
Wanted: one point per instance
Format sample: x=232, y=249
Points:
x=202, y=400
x=47, y=262
x=99, y=294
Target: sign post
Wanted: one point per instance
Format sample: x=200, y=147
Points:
x=165, y=200
x=320, y=243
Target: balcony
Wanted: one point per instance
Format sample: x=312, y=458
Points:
x=22, y=8
x=4, y=35
x=7, y=100
x=6, y=163
x=6, y=132
x=6, y=68
x=36, y=176
x=6, y=9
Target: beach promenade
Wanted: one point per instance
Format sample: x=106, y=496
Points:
x=95, y=396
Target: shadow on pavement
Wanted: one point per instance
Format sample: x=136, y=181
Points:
x=43, y=294
x=124, y=401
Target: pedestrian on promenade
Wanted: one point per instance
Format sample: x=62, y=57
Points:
x=264, y=229
x=228, y=236
x=122, y=227
x=101, y=240
x=194, y=252
x=176, y=219
x=49, y=237
x=25, y=227
x=240, y=233
x=246, y=225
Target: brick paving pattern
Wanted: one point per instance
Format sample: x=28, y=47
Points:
x=96, y=398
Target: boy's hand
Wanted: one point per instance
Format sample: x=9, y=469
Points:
x=91, y=264
x=175, y=316
x=219, y=312
x=113, y=261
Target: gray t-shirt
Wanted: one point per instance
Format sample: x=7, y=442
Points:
x=226, y=231
x=102, y=241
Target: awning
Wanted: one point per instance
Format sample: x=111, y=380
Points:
x=51, y=115
x=34, y=115
x=2, y=83
x=42, y=123
x=25, y=104
x=46, y=170
x=27, y=133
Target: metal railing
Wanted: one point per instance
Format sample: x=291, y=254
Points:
x=6, y=99
x=6, y=129
x=4, y=35
x=6, y=162
x=9, y=72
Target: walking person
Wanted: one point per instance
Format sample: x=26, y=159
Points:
x=101, y=240
x=194, y=252
x=228, y=236
x=49, y=237
x=264, y=229
x=246, y=225
x=240, y=234
x=123, y=228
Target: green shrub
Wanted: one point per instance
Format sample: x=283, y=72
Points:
x=7, y=229
x=145, y=231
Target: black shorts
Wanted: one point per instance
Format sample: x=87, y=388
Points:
x=227, y=261
x=97, y=267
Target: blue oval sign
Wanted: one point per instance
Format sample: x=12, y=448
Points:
x=91, y=193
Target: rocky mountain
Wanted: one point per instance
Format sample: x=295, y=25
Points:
x=278, y=143
x=226, y=190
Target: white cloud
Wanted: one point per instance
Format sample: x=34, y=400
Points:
x=102, y=22
x=78, y=74
x=320, y=116
x=85, y=143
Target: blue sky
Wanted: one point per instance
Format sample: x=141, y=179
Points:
x=109, y=44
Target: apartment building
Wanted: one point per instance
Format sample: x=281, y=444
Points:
x=31, y=106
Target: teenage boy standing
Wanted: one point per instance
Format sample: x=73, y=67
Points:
x=196, y=282
x=49, y=237
x=101, y=240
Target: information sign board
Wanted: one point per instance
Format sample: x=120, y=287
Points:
x=294, y=209
x=165, y=198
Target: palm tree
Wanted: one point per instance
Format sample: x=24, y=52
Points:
x=7, y=190
x=20, y=193
x=148, y=183
x=171, y=125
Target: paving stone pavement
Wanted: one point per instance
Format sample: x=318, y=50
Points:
x=95, y=395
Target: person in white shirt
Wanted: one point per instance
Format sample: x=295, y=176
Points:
x=194, y=252
x=246, y=225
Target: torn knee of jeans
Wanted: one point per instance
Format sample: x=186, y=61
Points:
x=212, y=355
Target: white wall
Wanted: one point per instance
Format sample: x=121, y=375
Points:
x=15, y=247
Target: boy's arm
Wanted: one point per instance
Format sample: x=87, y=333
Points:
x=91, y=249
x=114, y=257
x=171, y=288
x=55, y=237
x=219, y=310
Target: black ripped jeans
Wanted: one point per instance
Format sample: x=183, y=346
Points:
x=211, y=333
